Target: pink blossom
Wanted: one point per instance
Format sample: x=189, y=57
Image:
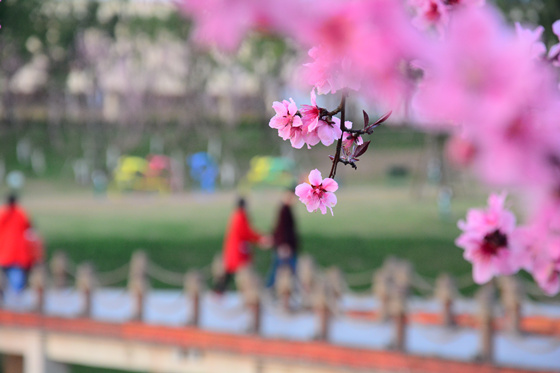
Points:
x=489, y=241
x=524, y=148
x=460, y=151
x=310, y=114
x=546, y=264
x=311, y=138
x=454, y=3
x=318, y=193
x=478, y=74
x=363, y=45
x=554, y=51
x=546, y=273
x=532, y=40
x=288, y=123
x=327, y=72
x=224, y=23
x=349, y=140
x=541, y=239
x=430, y=13
x=329, y=131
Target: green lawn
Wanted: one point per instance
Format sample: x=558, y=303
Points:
x=186, y=231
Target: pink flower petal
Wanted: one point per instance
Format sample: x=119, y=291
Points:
x=330, y=199
x=482, y=271
x=326, y=135
x=297, y=122
x=315, y=178
x=313, y=97
x=279, y=108
x=330, y=185
x=556, y=28
x=303, y=190
x=292, y=107
x=297, y=141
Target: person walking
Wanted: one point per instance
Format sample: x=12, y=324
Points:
x=237, y=245
x=285, y=238
x=20, y=247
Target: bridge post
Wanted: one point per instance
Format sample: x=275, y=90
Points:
x=321, y=303
x=306, y=274
x=37, y=281
x=512, y=294
x=283, y=286
x=85, y=283
x=137, y=283
x=445, y=292
x=381, y=284
x=485, y=298
x=250, y=285
x=335, y=282
x=59, y=269
x=193, y=290
x=254, y=302
x=217, y=269
x=402, y=276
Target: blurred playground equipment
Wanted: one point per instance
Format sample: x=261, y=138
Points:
x=150, y=174
x=204, y=170
x=271, y=171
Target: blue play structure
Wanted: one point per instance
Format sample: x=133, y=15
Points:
x=204, y=170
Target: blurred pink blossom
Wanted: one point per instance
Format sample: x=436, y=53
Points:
x=363, y=46
x=546, y=265
x=460, y=151
x=327, y=73
x=224, y=23
x=541, y=254
x=430, y=13
x=478, y=74
x=554, y=51
x=288, y=123
x=318, y=193
x=532, y=40
x=546, y=273
x=524, y=148
x=489, y=242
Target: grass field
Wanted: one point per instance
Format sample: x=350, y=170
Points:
x=180, y=232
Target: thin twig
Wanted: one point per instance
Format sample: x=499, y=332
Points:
x=336, y=159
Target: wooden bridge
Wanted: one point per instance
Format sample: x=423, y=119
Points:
x=316, y=326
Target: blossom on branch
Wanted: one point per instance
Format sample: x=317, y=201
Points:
x=349, y=140
x=318, y=193
x=489, y=240
x=288, y=123
x=329, y=131
x=310, y=114
x=311, y=117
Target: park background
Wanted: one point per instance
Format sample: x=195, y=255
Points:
x=84, y=82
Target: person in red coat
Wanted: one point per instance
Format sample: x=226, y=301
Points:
x=237, y=245
x=18, y=244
